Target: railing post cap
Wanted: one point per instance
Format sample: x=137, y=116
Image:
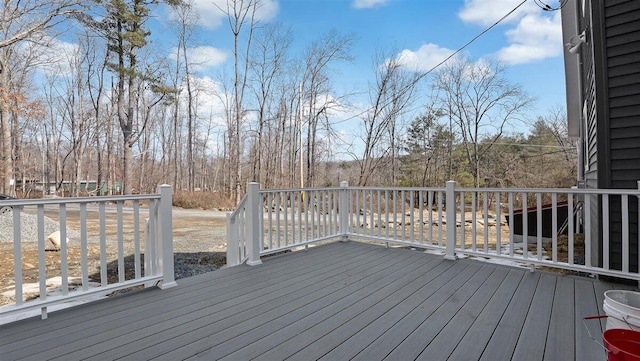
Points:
x=162, y=188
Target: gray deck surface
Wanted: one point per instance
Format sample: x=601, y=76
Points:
x=337, y=301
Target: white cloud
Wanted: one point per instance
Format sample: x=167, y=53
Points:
x=54, y=58
x=533, y=34
x=425, y=58
x=367, y=4
x=208, y=94
x=202, y=57
x=334, y=107
x=211, y=14
x=535, y=38
x=210, y=110
x=485, y=13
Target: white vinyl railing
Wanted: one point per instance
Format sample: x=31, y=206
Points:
x=561, y=228
x=236, y=234
x=136, y=225
x=271, y=221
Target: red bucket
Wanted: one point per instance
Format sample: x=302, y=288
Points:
x=622, y=345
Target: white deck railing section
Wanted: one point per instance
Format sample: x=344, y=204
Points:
x=236, y=234
x=545, y=227
x=142, y=227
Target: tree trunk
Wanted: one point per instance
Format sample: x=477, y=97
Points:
x=5, y=126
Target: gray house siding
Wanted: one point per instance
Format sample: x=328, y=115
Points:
x=622, y=33
x=610, y=93
x=591, y=131
x=615, y=26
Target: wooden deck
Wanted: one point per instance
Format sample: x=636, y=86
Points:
x=334, y=302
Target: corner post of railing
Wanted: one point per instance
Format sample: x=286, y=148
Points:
x=254, y=241
x=233, y=257
x=165, y=237
x=344, y=211
x=451, y=220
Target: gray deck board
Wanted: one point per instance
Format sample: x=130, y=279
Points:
x=600, y=288
x=587, y=306
x=204, y=334
x=211, y=315
x=531, y=343
x=412, y=320
x=226, y=281
x=167, y=308
x=373, y=318
x=505, y=337
x=475, y=340
x=291, y=322
x=307, y=329
x=176, y=305
x=370, y=334
x=560, y=343
x=333, y=302
x=456, y=328
x=424, y=334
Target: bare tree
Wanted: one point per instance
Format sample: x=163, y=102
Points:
x=552, y=155
x=96, y=68
x=20, y=21
x=316, y=90
x=240, y=15
x=556, y=120
x=186, y=19
x=267, y=64
x=481, y=103
x=390, y=97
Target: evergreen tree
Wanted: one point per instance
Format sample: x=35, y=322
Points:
x=122, y=24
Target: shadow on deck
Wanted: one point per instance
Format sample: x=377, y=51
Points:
x=337, y=301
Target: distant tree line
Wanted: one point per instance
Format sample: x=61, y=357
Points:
x=112, y=108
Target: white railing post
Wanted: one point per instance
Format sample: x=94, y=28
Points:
x=344, y=211
x=233, y=257
x=451, y=220
x=17, y=254
x=254, y=241
x=149, y=248
x=165, y=237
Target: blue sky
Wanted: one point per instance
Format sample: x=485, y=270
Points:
x=425, y=31
x=529, y=41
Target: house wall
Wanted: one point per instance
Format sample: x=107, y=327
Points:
x=622, y=34
x=590, y=130
x=611, y=66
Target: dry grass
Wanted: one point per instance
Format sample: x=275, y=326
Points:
x=563, y=247
x=202, y=200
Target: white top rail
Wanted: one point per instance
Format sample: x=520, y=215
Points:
x=68, y=200
x=554, y=190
